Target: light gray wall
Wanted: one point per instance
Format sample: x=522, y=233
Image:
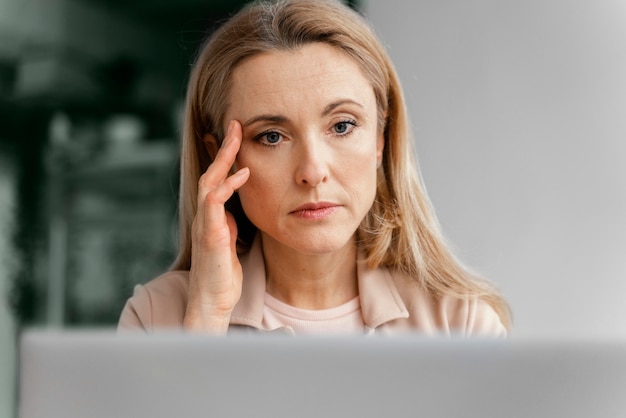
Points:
x=519, y=113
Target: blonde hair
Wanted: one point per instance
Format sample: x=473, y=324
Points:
x=400, y=231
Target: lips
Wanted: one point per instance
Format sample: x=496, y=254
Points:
x=315, y=211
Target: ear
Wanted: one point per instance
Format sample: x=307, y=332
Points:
x=380, y=147
x=210, y=143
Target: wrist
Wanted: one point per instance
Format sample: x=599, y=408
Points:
x=206, y=321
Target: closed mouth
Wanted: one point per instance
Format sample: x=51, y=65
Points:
x=315, y=211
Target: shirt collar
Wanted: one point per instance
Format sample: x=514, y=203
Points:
x=249, y=310
x=379, y=296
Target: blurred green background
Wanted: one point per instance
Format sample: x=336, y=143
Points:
x=90, y=100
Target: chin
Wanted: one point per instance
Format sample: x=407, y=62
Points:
x=318, y=243
x=322, y=248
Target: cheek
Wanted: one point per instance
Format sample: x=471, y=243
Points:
x=250, y=193
x=243, y=160
x=360, y=163
x=260, y=195
x=358, y=174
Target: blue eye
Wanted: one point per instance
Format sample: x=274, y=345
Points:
x=344, y=127
x=272, y=137
x=269, y=138
x=341, y=127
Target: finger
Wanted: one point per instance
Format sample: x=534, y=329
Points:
x=209, y=221
x=214, y=212
x=218, y=170
x=220, y=194
x=232, y=227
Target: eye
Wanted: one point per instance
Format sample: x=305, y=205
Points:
x=344, y=127
x=269, y=138
x=272, y=137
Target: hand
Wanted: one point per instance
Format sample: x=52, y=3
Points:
x=215, y=277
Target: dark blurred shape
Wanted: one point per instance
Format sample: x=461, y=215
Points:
x=173, y=17
x=8, y=73
x=118, y=78
x=26, y=295
x=48, y=76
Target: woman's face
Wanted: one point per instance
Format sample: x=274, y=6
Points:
x=310, y=139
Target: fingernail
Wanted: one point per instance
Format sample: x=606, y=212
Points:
x=242, y=172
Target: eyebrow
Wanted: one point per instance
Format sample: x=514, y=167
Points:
x=282, y=119
x=265, y=118
x=338, y=103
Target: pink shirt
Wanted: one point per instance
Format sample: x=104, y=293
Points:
x=342, y=319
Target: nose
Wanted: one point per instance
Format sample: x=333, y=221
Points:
x=312, y=163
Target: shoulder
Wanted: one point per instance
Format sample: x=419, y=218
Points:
x=160, y=303
x=448, y=314
x=471, y=316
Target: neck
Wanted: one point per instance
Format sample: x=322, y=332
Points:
x=310, y=281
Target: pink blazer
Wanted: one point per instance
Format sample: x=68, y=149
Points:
x=390, y=303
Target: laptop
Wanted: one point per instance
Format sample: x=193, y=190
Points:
x=100, y=374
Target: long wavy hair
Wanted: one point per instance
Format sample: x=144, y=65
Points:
x=400, y=231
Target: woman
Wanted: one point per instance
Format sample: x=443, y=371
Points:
x=301, y=207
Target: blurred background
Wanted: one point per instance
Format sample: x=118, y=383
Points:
x=518, y=111
x=90, y=99
x=519, y=115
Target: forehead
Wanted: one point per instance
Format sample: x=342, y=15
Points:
x=280, y=80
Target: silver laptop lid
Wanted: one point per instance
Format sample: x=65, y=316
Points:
x=83, y=374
